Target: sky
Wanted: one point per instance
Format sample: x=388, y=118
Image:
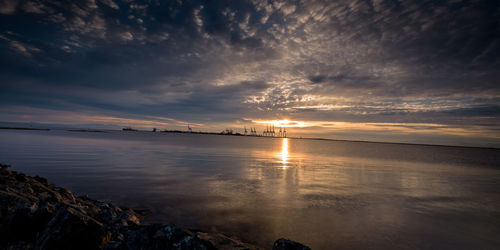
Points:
x=380, y=70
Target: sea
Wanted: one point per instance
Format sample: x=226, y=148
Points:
x=325, y=194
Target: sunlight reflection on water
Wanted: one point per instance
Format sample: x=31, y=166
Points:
x=284, y=154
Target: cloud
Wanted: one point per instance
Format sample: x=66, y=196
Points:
x=82, y=118
x=357, y=61
x=19, y=47
x=36, y=7
x=22, y=48
x=110, y=4
x=126, y=36
x=8, y=7
x=57, y=18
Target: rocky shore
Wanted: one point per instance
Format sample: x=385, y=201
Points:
x=37, y=215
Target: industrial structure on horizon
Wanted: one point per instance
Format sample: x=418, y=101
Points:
x=269, y=131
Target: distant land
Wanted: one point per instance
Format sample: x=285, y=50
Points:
x=24, y=128
x=129, y=129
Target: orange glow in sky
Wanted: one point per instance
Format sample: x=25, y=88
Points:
x=285, y=123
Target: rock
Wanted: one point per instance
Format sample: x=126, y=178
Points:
x=20, y=225
x=4, y=166
x=113, y=245
x=67, y=195
x=42, y=216
x=285, y=244
x=130, y=217
x=70, y=229
x=221, y=241
x=11, y=199
x=107, y=214
x=41, y=180
x=50, y=196
x=83, y=197
x=193, y=242
x=156, y=236
x=6, y=181
x=21, y=177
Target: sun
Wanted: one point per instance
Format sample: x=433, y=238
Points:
x=288, y=123
x=281, y=123
x=284, y=123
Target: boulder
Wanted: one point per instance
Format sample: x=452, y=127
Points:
x=70, y=229
x=286, y=244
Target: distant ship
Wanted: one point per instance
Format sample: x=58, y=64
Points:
x=129, y=129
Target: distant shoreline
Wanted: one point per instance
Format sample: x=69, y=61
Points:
x=23, y=128
x=243, y=135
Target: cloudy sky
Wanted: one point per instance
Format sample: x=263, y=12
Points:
x=388, y=70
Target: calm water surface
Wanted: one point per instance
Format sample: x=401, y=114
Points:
x=325, y=194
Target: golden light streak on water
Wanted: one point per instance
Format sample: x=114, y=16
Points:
x=284, y=154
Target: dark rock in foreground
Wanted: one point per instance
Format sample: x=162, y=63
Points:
x=37, y=215
x=285, y=244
